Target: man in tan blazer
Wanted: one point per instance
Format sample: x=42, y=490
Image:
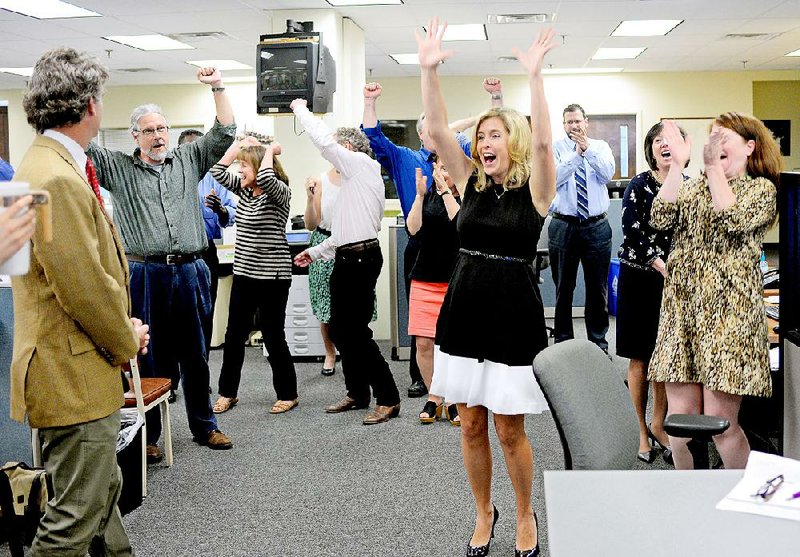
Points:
x=71, y=317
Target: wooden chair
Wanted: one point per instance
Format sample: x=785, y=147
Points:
x=147, y=393
x=144, y=394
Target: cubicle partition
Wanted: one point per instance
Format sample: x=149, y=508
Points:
x=15, y=438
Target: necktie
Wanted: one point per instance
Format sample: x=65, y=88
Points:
x=91, y=176
x=583, y=194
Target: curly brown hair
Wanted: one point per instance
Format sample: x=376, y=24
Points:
x=59, y=90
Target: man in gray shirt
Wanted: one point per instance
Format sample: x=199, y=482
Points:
x=154, y=191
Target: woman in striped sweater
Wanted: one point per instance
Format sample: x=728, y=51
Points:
x=262, y=269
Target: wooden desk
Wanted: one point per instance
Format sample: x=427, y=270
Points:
x=656, y=513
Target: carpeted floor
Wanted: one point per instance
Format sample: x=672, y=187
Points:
x=310, y=483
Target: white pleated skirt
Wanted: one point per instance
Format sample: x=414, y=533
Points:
x=501, y=388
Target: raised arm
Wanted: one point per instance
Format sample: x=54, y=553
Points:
x=313, y=214
x=722, y=196
x=680, y=149
x=543, y=170
x=414, y=220
x=213, y=77
x=447, y=147
x=371, y=93
x=345, y=161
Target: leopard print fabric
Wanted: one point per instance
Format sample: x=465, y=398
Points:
x=713, y=328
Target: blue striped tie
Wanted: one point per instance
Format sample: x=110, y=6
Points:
x=583, y=194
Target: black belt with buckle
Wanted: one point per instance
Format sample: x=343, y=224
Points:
x=169, y=259
x=359, y=246
x=577, y=220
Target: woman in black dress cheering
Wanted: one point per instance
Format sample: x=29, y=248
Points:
x=491, y=325
x=643, y=267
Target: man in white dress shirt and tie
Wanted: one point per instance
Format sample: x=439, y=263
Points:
x=579, y=231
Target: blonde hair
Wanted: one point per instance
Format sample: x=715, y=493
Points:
x=254, y=154
x=519, y=148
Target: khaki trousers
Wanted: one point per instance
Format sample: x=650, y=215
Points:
x=82, y=516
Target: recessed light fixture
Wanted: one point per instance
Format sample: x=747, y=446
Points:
x=220, y=64
x=565, y=71
x=465, y=32
x=794, y=53
x=46, y=9
x=645, y=27
x=150, y=42
x=617, y=53
x=406, y=59
x=364, y=2
x=24, y=72
x=521, y=18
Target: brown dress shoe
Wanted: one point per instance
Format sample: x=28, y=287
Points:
x=153, y=454
x=346, y=404
x=216, y=440
x=382, y=414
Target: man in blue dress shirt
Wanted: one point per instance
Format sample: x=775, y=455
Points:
x=579, y=231
x=219, y=211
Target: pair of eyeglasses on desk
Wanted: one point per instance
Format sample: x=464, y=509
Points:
x=769, y=488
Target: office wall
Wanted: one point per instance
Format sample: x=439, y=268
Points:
x=651, y=96
x=780, y=100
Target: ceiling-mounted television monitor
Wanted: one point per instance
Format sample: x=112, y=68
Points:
x=293, y=69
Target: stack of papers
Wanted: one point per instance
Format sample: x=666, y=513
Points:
x=761, y=467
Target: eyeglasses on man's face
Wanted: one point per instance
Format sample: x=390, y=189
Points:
x=150, y=132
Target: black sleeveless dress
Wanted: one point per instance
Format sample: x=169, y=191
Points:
x=491, y=325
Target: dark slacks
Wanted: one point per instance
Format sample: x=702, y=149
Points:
x=174, y=300
x=352, y=291
x=590, y=245
x=409, y=259
x=212, y=261
x=269, y=297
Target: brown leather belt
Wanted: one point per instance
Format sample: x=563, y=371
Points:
x=359, y=246
x=576, y=220
x=169, y=259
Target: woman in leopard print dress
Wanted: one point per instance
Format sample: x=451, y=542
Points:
x=712, y=346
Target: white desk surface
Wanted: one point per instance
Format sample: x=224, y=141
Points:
x=657, y=513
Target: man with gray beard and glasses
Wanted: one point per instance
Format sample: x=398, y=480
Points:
x=156, y=208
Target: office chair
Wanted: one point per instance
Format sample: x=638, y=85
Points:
x=700, y=430
x=590, y=405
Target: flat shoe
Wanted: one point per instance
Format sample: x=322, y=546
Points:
x=224, y=404
x=282, y=406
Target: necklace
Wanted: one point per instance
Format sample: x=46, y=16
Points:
x=502, y=189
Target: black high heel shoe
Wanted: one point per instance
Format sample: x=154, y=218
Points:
x=483, y=550
x=530, y=552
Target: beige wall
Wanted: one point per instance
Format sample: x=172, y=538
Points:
x=651, y=96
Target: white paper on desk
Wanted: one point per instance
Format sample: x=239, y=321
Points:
x=760, y=468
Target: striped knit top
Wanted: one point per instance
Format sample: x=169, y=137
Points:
x=262, y=251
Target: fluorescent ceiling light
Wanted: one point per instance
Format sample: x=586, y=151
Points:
x=564, y=71
x=465, y=32
x=46, y=9
x=364, y=2
x=409, y=59
x=521, y=18
x=617, y=53
x=794, y=53
x=645, y=27
x=24, y=72
x=150, y=42
x=220, y=64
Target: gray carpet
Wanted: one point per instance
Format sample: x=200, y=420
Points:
x=310, y=483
